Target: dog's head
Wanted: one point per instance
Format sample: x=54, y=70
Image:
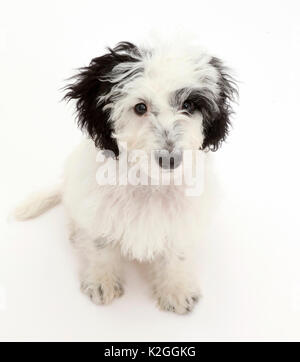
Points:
x=165, y=98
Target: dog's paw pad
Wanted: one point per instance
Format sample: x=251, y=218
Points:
x=102, y=292
x=180, y=303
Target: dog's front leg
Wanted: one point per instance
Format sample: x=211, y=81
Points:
x=101, y=266
x=101, y=275
x=175, y=284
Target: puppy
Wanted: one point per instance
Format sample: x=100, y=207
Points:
x=170, y=97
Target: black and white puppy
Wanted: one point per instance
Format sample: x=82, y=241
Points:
x=168, y=97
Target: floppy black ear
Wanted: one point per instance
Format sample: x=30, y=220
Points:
x=89, y=85
x=216, y=120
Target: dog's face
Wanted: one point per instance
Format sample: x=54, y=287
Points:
x=154, y=99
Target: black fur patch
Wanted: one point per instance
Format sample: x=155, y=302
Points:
x=87, y=89
x=216, y=121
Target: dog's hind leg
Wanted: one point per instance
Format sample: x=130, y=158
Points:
x=101, y=267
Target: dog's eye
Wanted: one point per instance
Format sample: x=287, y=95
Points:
x=189, y=106
x=140, y=109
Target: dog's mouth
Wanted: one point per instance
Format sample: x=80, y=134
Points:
x=168, y=160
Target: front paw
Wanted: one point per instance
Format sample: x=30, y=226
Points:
x=103, y=291
x=177, y=301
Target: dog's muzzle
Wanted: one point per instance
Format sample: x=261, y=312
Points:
x=168, y=160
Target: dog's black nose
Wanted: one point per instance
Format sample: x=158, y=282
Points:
x=168, y=160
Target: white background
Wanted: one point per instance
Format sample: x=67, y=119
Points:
x=249, y=259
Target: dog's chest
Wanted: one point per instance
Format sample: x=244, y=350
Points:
x=144, y=221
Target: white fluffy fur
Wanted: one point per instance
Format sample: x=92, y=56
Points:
x=38, y=203
x=153, y=224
